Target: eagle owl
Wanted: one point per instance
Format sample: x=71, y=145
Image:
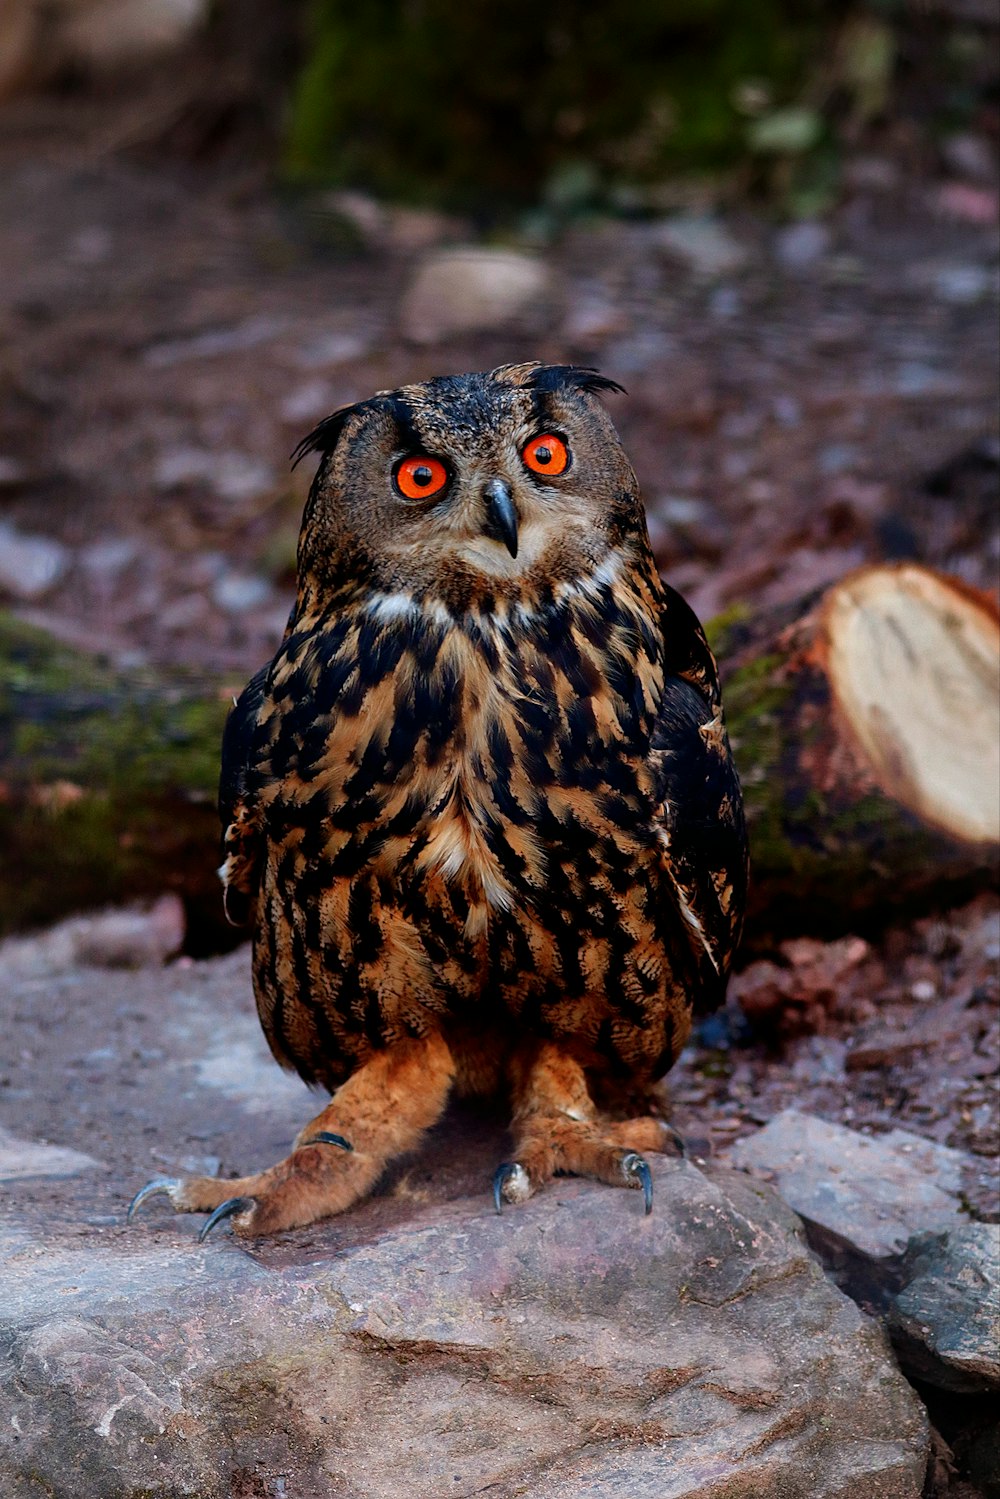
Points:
x=480, y=810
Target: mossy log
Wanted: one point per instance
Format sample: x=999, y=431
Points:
x=107, y=786
x=865, y=727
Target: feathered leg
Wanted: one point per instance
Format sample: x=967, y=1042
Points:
x=557, y=1130
x=379, y=1113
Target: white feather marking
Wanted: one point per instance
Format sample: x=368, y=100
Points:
x=692, y=919
x=386, y=607
x=695, y=924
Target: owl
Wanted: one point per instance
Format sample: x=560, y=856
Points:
x=480, y=810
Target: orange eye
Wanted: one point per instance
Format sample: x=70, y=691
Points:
x=547, y=454
x=419, y=478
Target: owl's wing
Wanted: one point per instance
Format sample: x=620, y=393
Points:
x=239, y=786
x=699, y=817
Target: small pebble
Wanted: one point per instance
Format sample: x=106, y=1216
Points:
x=237, y=592
x=30, y=565
x=800, y=246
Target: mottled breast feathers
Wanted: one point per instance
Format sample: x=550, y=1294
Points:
x=485, y=780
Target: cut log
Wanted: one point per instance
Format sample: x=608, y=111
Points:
x=865, y=726
x=866, y=729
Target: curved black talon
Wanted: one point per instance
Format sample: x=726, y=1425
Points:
x=637, y=1170
x=227, y=1209
x=325, y=1137
x=160, y=1186
x=501, y=1177
x=677, y=1138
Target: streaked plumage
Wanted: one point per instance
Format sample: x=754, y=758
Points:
x=480, y=809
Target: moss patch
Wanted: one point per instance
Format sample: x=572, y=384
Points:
x=468, y=105
x=107, y=783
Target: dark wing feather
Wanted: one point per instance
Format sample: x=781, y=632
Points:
x=700, y=814
x=242, y=835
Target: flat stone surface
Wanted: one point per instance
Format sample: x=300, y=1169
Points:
x=19, y=1158
x=471, y=288
x=861, y=1196
x=417, y=1345
x=946, y=1320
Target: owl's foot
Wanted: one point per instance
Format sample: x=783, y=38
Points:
x=557, y=1132
x=380, y=1112
x=308, y=1184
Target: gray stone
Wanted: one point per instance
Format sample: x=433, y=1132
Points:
x=377, y=225
x=964, y=285
x=111, y=34
x=593, y=317
x=419, y=1344
x=238, y=592
x=471, y=289
x=410, y=229
x=105, y=560
x=798, y=247
x=945, y=1322
x=308, y=401
x=231, y=475
x=125, y=937
x=563, y=1349
x=837, y=457
x=861, y=1197
x=365, y=214
x=327, y=348
x=704, y=245
x=25, y=1158
x=970, y=156
x=213, y=342
x=30, y=565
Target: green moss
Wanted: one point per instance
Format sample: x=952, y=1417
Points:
x=468, y=105
x=724, y=629
x=110, y=781
x=823, y=855
x=66, y=716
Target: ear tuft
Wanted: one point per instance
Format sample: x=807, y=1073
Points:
x=324, y=438
x=578, y=377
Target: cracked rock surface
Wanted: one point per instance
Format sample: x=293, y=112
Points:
x=420, y=1345
x=945, y=1322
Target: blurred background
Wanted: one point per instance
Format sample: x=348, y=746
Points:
x=775, y=225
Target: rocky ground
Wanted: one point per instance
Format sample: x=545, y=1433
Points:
x=802, y=398
x=571, y=1347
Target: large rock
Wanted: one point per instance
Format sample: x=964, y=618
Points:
x=945, y=1321
x=420, y=1345
x=572, y=1348
x=861, y=1197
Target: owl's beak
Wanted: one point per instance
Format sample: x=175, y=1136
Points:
x=501, y=517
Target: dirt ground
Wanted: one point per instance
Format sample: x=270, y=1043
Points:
x=801, y=399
